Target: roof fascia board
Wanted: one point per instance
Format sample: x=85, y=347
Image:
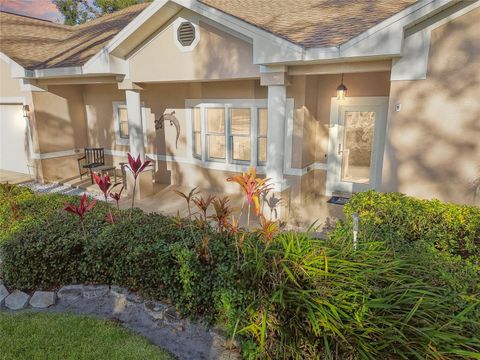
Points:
x=135, y=24
x=16, y=70
x=385, y=38
x=413, y=65
x=105, y=63
x=58, y=72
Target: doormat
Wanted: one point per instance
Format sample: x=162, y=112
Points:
x=338, y=200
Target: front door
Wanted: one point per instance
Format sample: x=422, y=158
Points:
x=357, y=136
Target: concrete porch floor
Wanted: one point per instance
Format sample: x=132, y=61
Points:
x=166, y=201
x=13, y=177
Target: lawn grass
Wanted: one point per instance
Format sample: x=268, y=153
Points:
x=59, y=336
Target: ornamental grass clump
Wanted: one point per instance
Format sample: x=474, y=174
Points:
x=323, y=299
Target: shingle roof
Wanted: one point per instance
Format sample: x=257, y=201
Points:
x=312, y=23
x=40, y=44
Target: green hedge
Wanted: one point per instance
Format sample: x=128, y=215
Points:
x=296, y=297
x=442, y=236
x=400, y=219
x=31, y=208
x=145, y=253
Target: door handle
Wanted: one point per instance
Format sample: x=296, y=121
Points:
x=340, y=149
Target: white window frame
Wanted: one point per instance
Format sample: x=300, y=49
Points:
x=206, y=133
x=193, y=132
x=258, y=137
x=229, y=164
x=116, y=120
x=250, y=133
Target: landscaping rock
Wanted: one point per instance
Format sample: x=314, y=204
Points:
x=43, y=299
x=17, y=300
x=95, y=291
x=172, y=314
x=3, y=293
x=70, y=292
x=122, y=293
x=155, y=309
x=224, y=348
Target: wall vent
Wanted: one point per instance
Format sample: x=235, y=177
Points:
x=186, y=33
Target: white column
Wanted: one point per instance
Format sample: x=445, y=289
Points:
x=277, y=101
x=135, y=129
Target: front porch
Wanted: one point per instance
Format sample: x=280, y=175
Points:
x=165, y=201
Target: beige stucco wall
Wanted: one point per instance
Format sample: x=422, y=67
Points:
x=98, y=101
x=218, y=55
x=9, y=87
x=60, y=118
x=433, y=143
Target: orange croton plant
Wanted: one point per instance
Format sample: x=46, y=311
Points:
x=253, y=187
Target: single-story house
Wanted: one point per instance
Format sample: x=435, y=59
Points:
x=321, y=96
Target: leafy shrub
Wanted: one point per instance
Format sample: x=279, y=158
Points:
x=400, y=219
x=32, y=208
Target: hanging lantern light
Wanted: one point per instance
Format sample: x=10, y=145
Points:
x=341, y=91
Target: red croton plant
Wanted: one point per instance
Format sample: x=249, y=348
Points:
x=83, y=207
x=80, y=210
x=105, y=184
x=136, y=166
x=253, y=187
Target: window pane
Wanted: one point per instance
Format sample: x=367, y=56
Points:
x=197, y=144
x=357, y=146
x=241, y=148
x=262, y=150
x=124, y=130
x=216, y=120
x=216, y=146
x=123, y=119
x=262, y=122
x=196, y=119
x=240, y=121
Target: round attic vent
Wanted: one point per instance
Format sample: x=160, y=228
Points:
x=186, y=33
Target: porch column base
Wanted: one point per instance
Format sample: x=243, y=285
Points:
x=144, y=187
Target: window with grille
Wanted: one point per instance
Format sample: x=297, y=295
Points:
x=262, y=124
x=216, y=135
x=123, y=122
x=233, y=131
x=197, y=133
x=240, y=134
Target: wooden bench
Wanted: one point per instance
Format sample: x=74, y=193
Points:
x=93, y=157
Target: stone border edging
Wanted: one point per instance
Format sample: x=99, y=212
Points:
x=159, y=322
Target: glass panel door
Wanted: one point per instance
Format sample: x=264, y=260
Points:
x=356, y=144
x=356, y=151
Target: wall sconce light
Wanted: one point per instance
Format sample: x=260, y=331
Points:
x=26, y=111
x=341, y=91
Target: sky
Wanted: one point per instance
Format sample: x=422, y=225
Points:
x=43, y=9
